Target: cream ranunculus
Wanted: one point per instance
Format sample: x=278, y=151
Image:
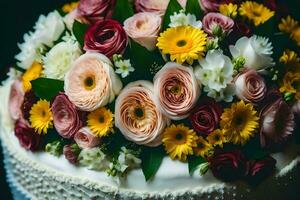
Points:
x=144, y=28
x=176, y=90
x=256, y=50
x=91, y=82
x=137, y=116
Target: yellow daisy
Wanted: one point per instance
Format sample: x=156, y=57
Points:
x=41, y=116
x=69, y=7
x=179, y=141
x=183, y=44
x=229, y=10
x=295, y=35
x=216, y=138
x=239, y=122
x=288, y=24
x=31, y=74
x=255, y=12
x=101, y=121
x=203, y=147
x=291, y=84
x=291, y=61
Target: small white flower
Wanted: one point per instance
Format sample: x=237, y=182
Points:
x=215, y=71
x=60, y=58
x=182, y=19
x=256, y=50
x=222, y=95
x=123, y=67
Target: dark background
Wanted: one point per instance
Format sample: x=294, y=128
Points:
x=18, y=17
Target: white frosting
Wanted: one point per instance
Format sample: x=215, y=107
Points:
x=172, y=177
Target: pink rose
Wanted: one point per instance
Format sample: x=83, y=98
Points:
x=137, y=116
x=85, y=138
x=65, y=117
x=16, y=98
x=213, y=5
x=94, y=10
x=214, y=21
x=144, y=28
x=107, y=37
x=250, y=86
x=28, y=138
x=176, y=90
x=158, y=6
x=277, y=123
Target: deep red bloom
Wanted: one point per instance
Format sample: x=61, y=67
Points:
x=107, y=37
x=29, y=100
x=70, y=154
x=206, y=117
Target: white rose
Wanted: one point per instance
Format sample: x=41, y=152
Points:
x=256, y=50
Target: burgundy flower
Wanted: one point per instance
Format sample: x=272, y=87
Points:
x=206, y=117
x=228, y=166
x=259, y=170
x=71, y=153
x=29, y=100
x=250, y=86
x=241, y=29
x=28, y=138
x=91, y=11
x=65, y=116
x=107, y=37
x=277, y=123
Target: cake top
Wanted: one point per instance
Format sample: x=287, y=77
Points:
x=119, y=85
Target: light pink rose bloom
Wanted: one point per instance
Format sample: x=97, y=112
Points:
x=213, y=20
x=66, y=118
x=85, y=138
x=91, y=82
x=158, y=6
x=176, y=90
x=16, y=98
x=250, y=86
x=137, y=116
x=144, y=28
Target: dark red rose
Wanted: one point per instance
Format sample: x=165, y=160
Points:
x=107, y=37
x=71, y=153
x=261, y=169
x=66, y=119
x=241, y=29
x=29, y=100
x=91, y=11
x=271, y=4
x=207, y=116
x=228, y=166
x=28, y=138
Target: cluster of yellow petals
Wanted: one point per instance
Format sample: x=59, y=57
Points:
x=291, y=84
x=101, y=122
x=41, y=117
x=229, y=10
x=290, y=26
x=31, y=74
x=69, y=7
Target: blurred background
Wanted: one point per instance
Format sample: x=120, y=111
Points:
x=18, y=17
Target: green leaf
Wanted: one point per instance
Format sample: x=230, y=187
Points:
x=151, y=161
x=122, y=11
x=194, y=162
x=46, y=88
x=173, y=6
x=79, y=30
x=193, y=7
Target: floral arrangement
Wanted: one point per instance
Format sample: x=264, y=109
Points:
x=118, y=85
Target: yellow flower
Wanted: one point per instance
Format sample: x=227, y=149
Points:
x=239, y=122
x=288, y=24
x=291, y=84
x=101, y=122
x=203, y=147
x=69, y=7
x=216, y=138
x=184, y=43
x=179, y=141
x=41, y=116
x=31, y=74
x=229, y=10
x=295, y=35
x=291, y=61
x=255, y=12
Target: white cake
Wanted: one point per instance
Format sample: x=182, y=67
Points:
x=43, y=176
